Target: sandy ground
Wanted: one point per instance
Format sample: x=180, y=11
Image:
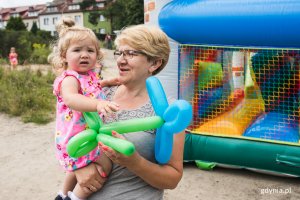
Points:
x=29, y=170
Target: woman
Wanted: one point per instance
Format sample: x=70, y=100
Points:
x=142, y=51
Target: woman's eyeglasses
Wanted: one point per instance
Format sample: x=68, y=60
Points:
x=127, y=54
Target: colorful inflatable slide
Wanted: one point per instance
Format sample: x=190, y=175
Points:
x=239, y=66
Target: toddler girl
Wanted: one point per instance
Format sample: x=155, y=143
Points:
x=13, y=58
x=77, y=89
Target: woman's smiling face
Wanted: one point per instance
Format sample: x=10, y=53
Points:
x=132, y=69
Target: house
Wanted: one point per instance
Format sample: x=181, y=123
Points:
x=32, y=15
x=29, y=14
x=46, y=15
x=71, y=8
x=4, y=16
x=49, y=17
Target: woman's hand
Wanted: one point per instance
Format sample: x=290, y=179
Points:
x=110, y=82
x=118, y=158
x=90, y=177
x=159, y=176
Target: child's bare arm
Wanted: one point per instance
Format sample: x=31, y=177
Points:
x=75, y=100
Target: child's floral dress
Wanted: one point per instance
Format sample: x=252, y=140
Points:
x=71, y=122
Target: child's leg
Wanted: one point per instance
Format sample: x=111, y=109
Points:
x=69, y=182
x=79, y=193
x=68, y=185
x=105, y=163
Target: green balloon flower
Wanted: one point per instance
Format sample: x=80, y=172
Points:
x=87, y=140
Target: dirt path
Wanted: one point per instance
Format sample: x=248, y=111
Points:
x=29, y=170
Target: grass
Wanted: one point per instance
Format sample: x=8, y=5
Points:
x=27, y=94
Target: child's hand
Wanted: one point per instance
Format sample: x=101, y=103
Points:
x=107, y=107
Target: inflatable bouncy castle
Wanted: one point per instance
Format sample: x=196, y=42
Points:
x=238, y=64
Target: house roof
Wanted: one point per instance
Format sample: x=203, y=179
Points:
x=44, y=9
x=21, y=10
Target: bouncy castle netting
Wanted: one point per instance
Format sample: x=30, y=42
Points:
x=242, y=92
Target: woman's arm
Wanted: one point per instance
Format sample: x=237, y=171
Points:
x=110, y=82
x=74, y=100
x=159, y=176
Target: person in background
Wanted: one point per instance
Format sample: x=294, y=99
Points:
x=142, y=51
x=13, y=58
x=108, y=41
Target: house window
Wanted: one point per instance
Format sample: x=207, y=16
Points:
x=74, y=7
x=15, y=15
x=102, y=30
x=52, y=9
x=77, y=18
x=32, y=14
x=46, y=21
x=102, y=18
x=54, y=20
x=100, y=5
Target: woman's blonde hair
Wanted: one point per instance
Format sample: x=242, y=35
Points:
x=68, y=32
x=149, y=39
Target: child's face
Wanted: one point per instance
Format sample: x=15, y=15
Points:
x=12, y=50
x=81, y=56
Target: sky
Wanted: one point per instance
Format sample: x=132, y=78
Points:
x=16, y=3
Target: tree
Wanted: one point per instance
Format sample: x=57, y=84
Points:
x=120, y=12
x=87, y=3
x=124, y=12
x=15, y=23
x=34, y=29
x=135, y=10
x=93, y=18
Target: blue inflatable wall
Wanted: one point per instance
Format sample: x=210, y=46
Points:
x=257, y=23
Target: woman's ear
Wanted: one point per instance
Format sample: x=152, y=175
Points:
x=156, y=64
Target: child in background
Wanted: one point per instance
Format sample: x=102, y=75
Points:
x=78, y=90
x=13, y=58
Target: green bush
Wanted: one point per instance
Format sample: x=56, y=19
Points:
x=23, y=42
x=25, y=94
x=40, y=54
x=3, y=61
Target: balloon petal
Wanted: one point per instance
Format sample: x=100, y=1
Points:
x=82, y=143
x=123, y=146
x=93, y=120
x=157, y=95
x=163, y=146
x=177, y=116
x=132, y=125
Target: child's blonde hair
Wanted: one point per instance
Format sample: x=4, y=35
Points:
x=68, y=32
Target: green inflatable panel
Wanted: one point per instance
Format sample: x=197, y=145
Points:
x=280, y=158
